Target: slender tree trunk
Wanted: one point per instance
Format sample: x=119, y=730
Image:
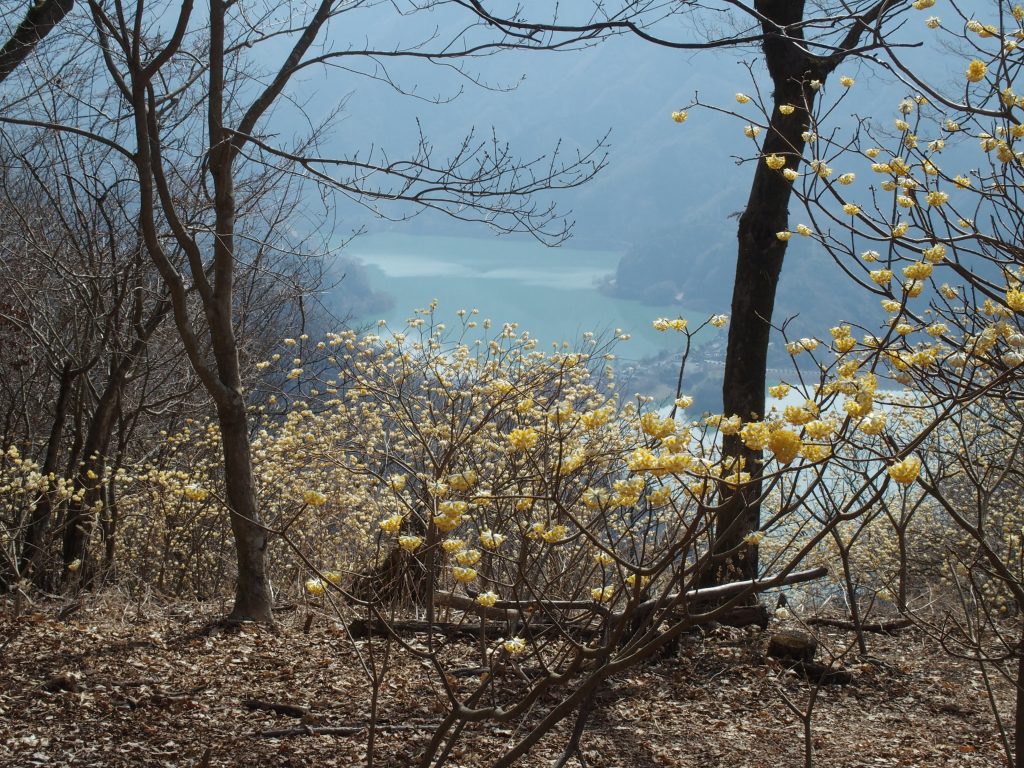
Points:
x=253, y=599
x=39, y=522
x=1018, y=726
x=758, y=267
x=81, y=514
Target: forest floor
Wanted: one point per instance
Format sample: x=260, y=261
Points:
x=116, y=684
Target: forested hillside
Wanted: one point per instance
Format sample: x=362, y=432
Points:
x=240, y=525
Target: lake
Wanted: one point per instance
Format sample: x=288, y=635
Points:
x=551, y=292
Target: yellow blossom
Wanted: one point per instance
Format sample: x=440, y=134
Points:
x=491, y=540
x=523, y=439
x=195, y=493
x=602, y=594
x=775, y=162
x=846, y=81
x=785, y=444
x=392, y=524
x=410, y=543
x=314, y=498
x=665, y=324
x=755, y=435
x=784, y=235
x=655, y=426
x=315, y=587
x=880, y=276
x=463, y=575
x=934, y=254
x=787, y=109
x=819, y=429
x=468, y=556
x=976, y=70
x=555, y=534
x=487, y=599
x=514, y=647
x=680, y=115
x=919, y=270
x=800, y=414
x=742, y=98
x=905, y=472
x=631, y=580
x=1015, y=299
x=815, y=452
x=873, y=423
x=463, y=481
x=603, y=558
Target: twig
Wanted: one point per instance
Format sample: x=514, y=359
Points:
x=340, y=730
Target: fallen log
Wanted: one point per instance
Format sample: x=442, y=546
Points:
x=290, y=710
x=882, y=627
x=737, y=616
x=822, y=674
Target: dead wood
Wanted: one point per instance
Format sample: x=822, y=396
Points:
x=342, y=730
x=823, y=674
x=745, y=616
x=290, y=710
x=66, y=681
x=797, y=646
x=884, y=627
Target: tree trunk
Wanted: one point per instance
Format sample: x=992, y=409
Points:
x=253, y=599
x=1018, y=726
x=39, y=522
x=81, y=515
x=758, y=267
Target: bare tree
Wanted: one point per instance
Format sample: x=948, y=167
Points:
x=190, y=107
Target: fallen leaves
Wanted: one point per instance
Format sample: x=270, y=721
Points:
x=101, y=691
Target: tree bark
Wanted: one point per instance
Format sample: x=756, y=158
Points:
x=759, y=259
x=39, y=21
x=39, y=523
x=89, y=478
x=253, y=598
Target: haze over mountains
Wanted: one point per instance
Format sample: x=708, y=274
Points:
x=668, y=197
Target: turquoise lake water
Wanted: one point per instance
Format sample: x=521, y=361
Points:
x=551, y=292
